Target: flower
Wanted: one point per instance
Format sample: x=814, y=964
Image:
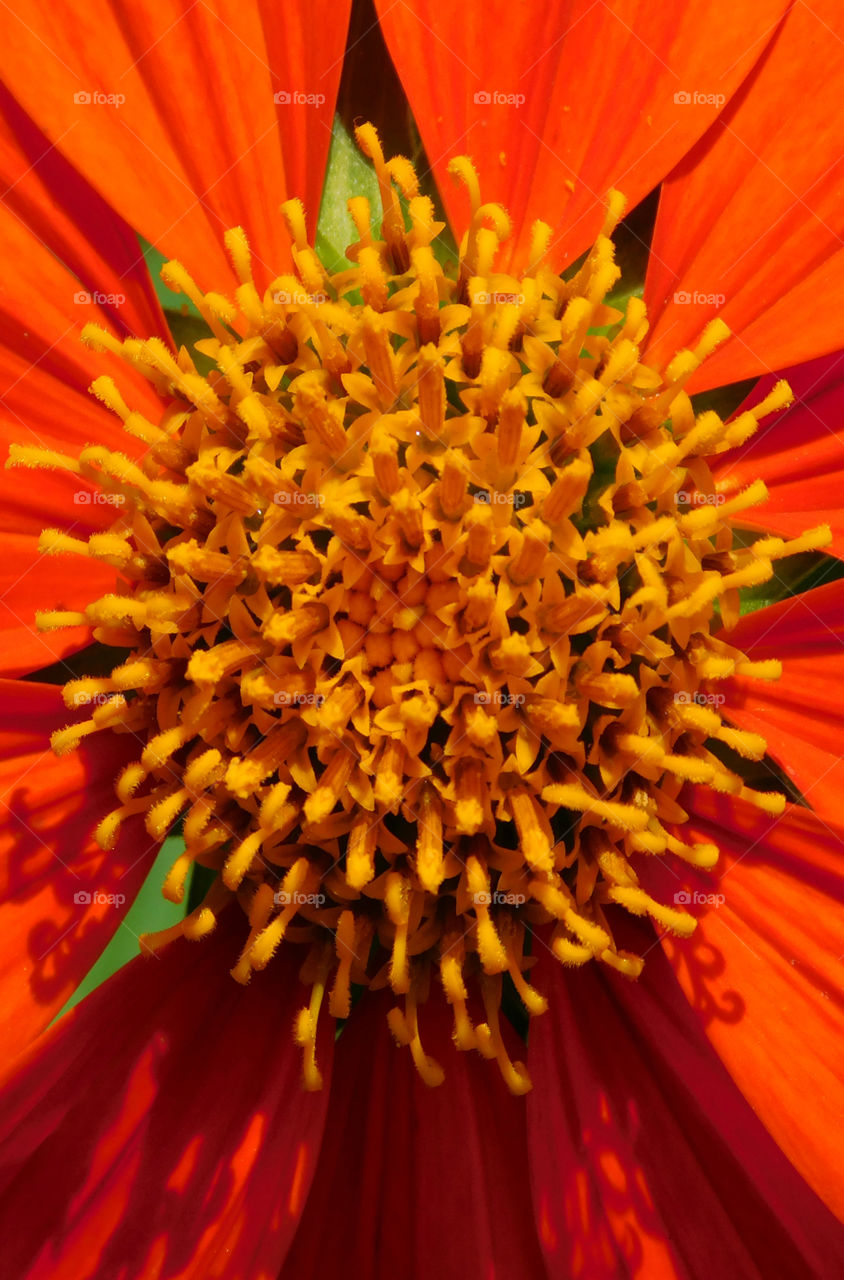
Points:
x=382, y=421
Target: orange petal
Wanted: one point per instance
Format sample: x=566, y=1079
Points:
x=417, y=1182
x=160, y=1129
x=749, y=226
x=168, y=109
x=646, y=1160
x=30, y=582
x=800, y=716
x=560, y=103
x=305, y=50
x=49, y=806
x=799, y=454
x=763, y=970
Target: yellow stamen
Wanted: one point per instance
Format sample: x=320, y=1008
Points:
x=419, y=625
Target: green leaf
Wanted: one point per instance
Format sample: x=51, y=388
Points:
x=349, y=173
x=149, y=911
x=724, y=400
x=187, y=330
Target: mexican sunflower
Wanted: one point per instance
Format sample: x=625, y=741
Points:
x=467, y=606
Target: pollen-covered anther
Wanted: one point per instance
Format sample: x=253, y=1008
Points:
x=411, y=623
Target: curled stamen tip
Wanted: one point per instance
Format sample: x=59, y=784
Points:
x=366, y=136
x=304, y=1033
x=518, y=1079
x=463, y=169
x=107, y=830
x=399, y=1029
x=63, y=741
x=616, y=204
x=484, y=1041
x=430, y=1071
x=713, y=335
x=174, y=275
x=199, y=926
x=499, y=217
x=98, y=339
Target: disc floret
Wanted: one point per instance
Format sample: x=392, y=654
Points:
x=427, y=587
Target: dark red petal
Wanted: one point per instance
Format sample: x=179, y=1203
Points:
x=799, y=454
x=800, y=716
x=49, y=807
x=646, y=1161
x=560, y=103
x=159, y=1130
x=763, y=969
x=412, y=1181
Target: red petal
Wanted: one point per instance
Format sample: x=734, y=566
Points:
x=65, y=213
x=417, y=1182
x=50, y=807
x=160, y=1129
x=799, y=454
x=596, y=98
x=646, y=1161
x=753, y=216
x=193, y=143
x=45, y=372
x=799, y=716
x=763, y=970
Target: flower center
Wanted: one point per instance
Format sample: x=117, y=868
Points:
x=420, y=584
